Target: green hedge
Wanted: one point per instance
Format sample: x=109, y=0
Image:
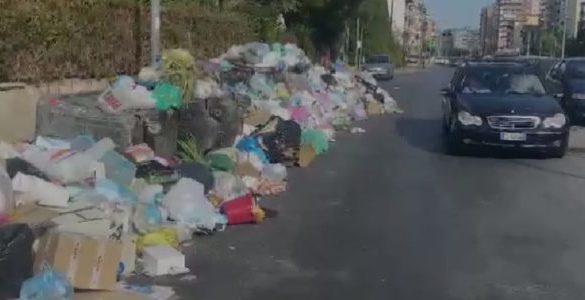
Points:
x=45, y=40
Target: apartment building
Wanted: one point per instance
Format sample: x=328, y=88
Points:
x=488, y=33
x=397, y=18
x=553, y=15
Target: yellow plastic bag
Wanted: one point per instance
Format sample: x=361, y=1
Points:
x=166, y=236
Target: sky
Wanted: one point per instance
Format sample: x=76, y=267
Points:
x=456, y=13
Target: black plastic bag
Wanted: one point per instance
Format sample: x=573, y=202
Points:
x=16, y=258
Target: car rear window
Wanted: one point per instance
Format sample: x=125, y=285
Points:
x=380, y=59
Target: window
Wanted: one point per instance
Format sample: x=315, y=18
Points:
x=502, y=80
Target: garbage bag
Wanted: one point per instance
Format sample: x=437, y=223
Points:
x=6, y=195
x=16, y=258
x=281, y=143
x=228, y=186
x=253, y=53
x=161, y=237
x=251, y=145
x=187, y=204
x=125, y=94
x=317, y=139
x=48, y=285
x=275, y=172
x=262, y=86
x=358, y=112
x=114, y=192
x=46, y=193
x=221, y=162
x=167, y=96
x=147, y=218
x=198, y=172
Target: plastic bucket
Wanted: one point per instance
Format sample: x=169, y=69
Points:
x=239, y=210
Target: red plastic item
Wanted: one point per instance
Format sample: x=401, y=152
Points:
x=239, y=210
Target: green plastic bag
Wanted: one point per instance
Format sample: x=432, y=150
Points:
x=317, y=139
x=167, y=96
x=221, y=162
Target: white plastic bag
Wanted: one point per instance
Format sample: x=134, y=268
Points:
x=126, y=94
x=46, y=193
x=68, y=167
x=186, y=204
x=275, y=172
x=228, y=186
x=6, y=196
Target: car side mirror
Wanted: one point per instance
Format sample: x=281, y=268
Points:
x=446, y=92
x=554, y=75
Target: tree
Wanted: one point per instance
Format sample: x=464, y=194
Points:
x=379, y=38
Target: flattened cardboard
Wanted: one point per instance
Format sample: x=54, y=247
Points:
x=257, y=117
x=247, y=169
x=374, y=108
x=306, y=155
x=33, y=215
x=88, y=263
x=107, y=295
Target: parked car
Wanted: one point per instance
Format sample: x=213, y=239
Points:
x=502, y=105
x=566, y=80
x=380, y=66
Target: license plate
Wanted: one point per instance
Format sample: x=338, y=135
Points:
x=512, y=136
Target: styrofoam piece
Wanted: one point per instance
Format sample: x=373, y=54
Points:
x=163, y=260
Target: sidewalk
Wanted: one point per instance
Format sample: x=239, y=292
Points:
x=409, y=70
x=577, y=140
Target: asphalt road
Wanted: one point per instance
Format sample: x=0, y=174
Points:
x=388, y=215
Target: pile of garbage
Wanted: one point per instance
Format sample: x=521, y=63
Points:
x=96, y=204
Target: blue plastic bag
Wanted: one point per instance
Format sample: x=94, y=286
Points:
x=48, y=285
x=251, y=145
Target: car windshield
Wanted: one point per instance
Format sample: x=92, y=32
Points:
x=493, y=80
x=379, y=59
x=576, y=70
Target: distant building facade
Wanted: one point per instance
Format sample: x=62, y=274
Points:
x=397, y=18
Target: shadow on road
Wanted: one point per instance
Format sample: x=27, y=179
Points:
x=422, y=133
x=426, y=134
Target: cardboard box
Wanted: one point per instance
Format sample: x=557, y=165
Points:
x=257, y=117
x=108, y=295
x=88, y=263
x=374, y=108
x=306, y=155
x=18, y=111
x=129, y=253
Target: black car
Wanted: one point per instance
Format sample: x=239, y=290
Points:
x=566, y=79
x=502, y=105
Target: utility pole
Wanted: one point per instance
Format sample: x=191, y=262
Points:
x=358, y=43
x=392, y=16
x=155, y=55
x=423, y=41
x=564, y=39
x=529, y=42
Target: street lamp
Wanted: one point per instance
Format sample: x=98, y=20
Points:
x=155, y=55
x=564, y=39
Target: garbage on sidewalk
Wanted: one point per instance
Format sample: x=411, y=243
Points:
x=106, y=193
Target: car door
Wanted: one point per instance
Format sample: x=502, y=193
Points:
x=554, y=83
